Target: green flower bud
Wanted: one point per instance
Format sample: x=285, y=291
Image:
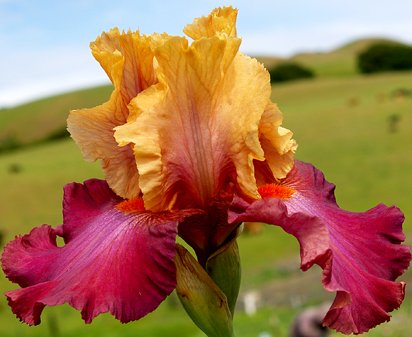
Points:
x=224, y=268
x=202, y=299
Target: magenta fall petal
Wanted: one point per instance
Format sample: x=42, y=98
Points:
x=116, y=262
x=361, y=253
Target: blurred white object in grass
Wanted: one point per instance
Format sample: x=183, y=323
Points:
x=250, y=302
x=265, y=334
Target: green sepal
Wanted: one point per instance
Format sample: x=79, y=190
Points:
x=202, y=299
x=224, y=268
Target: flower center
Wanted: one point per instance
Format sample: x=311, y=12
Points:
x=276, y=191
x=132, y=205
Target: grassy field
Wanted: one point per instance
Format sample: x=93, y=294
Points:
x=342, y=126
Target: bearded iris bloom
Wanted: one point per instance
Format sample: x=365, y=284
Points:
x=191, y=145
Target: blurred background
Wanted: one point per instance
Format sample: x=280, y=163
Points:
x=341, y=73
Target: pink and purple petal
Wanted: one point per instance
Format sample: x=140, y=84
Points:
x=361, y=253
x=112, y=261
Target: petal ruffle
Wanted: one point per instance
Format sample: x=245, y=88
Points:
x=127, y=59
x=361, y=253
x=208, y=103
x=221, y=21
x=277, y=142
x=92, y=129
x=112, y=261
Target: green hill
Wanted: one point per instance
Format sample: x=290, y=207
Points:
x=360, y=45
x=339, y=62
x=44, y=118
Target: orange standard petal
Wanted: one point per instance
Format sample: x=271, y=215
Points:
x=127, y=58
x=206, y=122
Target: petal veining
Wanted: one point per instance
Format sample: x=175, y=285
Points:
x=112, y=261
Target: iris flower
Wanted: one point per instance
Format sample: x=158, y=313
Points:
x=191, y=145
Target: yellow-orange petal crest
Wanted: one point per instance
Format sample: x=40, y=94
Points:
x=188, y=118
x=200, y=126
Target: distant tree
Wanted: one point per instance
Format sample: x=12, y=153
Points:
x=9, y=143
x=288, y=72
x=385, y=57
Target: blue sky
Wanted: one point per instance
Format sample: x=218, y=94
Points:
x=44, y=45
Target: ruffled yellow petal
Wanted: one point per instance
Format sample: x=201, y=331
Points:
x=92, y=129
x=127, y=59
x=144, y=134
x=106, y=50
x=219, y=21
x=199, y=126
x=277, y=142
